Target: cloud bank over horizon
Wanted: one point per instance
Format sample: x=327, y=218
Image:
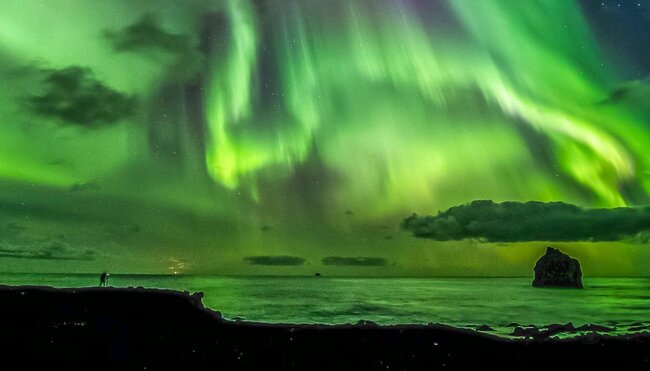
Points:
x=487, y=221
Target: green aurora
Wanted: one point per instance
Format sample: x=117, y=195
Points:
x=293, y=136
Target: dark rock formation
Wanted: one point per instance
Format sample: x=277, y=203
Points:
x=557, y=269
x=545, y=332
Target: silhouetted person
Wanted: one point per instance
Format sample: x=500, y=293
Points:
x=103, y=280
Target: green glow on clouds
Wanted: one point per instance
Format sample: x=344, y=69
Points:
x=311, y=128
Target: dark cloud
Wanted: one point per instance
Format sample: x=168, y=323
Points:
x=57, y=162
x=79, y=187
x=634, y=91
x=74, y=96
x=531, y=221
x=145, y=35
x=274, y=260
x=617, y=95
x=53, y=251
x=19, y=242
x=354, y=261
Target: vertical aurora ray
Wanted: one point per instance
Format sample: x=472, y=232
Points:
x=301, y=126
x=347, y=68
x=228, y=97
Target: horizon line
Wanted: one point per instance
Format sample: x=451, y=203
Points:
x=297, y=275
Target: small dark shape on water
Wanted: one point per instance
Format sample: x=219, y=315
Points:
x=557, y=269
x=317, y=274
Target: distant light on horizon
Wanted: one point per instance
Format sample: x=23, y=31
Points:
x=292, y=137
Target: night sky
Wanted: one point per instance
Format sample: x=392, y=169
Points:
x=295, y=136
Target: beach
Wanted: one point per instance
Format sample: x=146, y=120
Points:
x=137, y=328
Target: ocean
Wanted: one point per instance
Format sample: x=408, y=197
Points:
x=463, y=302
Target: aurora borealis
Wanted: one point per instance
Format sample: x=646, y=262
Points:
x=212, y=136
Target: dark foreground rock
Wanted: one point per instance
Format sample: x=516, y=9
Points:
x=127, y=329
x=546, y=332
x=557, y=269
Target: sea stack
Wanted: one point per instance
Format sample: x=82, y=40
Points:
x=557, y=269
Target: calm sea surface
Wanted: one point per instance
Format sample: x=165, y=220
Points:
x=463, y=302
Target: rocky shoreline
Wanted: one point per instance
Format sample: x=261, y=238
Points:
x=137, y=328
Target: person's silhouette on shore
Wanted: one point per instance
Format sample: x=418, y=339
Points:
x=103, y=279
